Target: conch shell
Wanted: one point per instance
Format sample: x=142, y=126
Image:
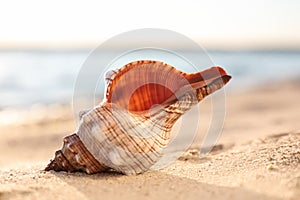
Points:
x=129, y=129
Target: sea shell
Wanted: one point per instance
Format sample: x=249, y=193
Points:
x=129, y=129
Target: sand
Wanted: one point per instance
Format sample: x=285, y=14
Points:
x=257, y=156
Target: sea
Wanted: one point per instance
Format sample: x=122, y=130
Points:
x=29, y=77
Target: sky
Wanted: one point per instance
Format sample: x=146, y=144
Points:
x=215, y=24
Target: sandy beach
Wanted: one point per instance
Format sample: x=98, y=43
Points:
x=256, y=157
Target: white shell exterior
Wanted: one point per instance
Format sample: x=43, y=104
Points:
x=127, y=142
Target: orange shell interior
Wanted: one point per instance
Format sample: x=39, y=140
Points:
x=142, y=84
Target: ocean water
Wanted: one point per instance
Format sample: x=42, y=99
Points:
x=45, y=77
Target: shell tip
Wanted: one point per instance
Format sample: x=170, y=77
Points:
x=52, y=165
x=59, y=163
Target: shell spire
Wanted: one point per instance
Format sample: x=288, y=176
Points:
x=129, y=130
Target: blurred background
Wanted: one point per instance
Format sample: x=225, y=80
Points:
x=44, y=43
